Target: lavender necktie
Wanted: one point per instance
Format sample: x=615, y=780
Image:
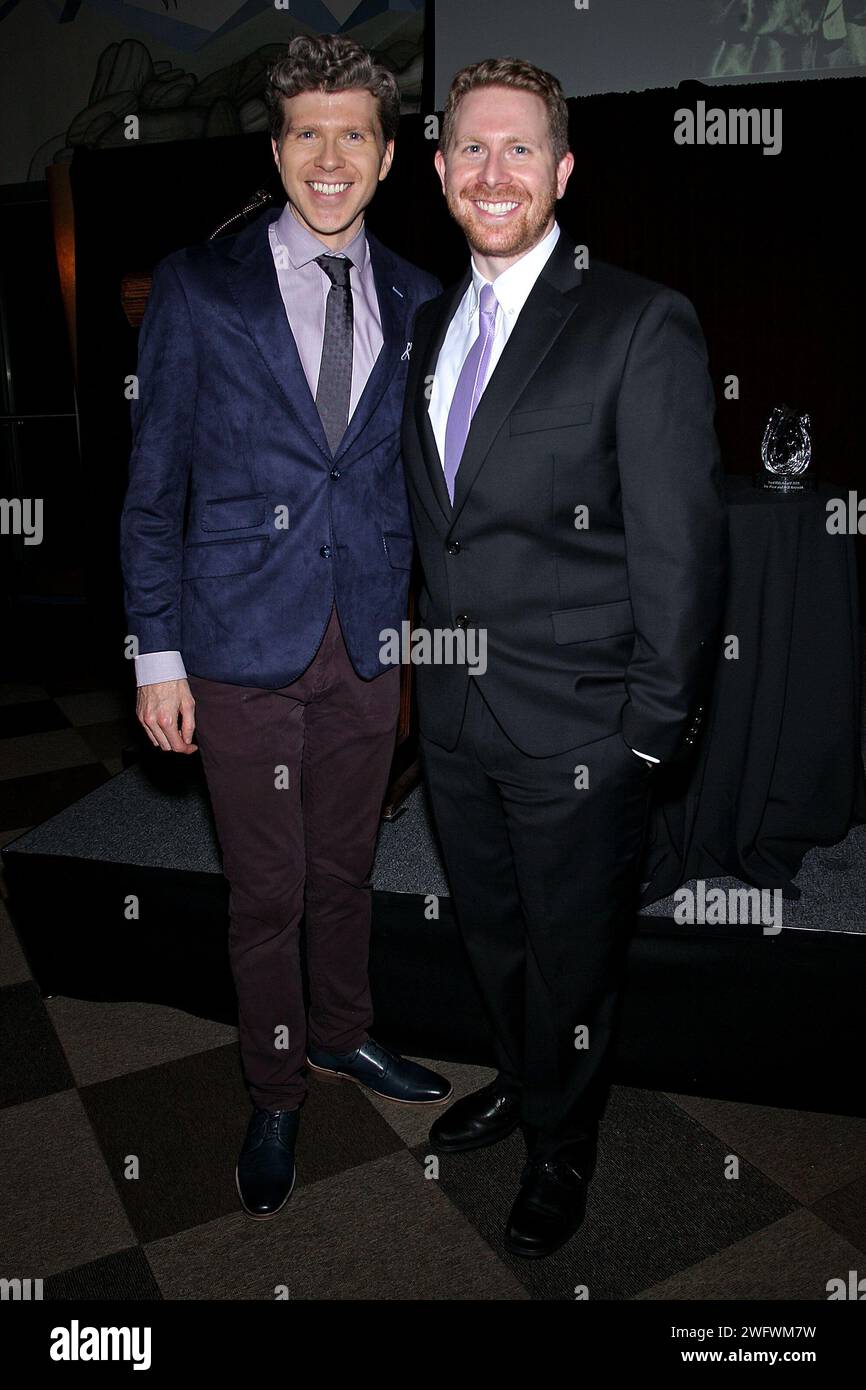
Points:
x=470, y=385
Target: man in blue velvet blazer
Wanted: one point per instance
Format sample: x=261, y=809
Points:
x=266, y=547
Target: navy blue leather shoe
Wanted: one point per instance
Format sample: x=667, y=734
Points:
x=265, y=1175
x=385, y=1073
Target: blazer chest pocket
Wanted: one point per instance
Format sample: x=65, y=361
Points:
x=550, y=418
x=399, y=549
x=212, y=559
x=589, y=623
x=234, y=513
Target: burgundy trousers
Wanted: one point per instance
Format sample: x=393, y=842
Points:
x=297, y=777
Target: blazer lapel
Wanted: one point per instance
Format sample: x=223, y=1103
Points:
x=253, y=280
x=392, y=297
x=254, y=283
x=426, y=368
x=541, y=320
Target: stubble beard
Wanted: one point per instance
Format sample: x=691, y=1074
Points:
x=513, y=240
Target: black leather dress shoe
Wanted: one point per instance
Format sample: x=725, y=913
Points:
x=265, y=1175
x=482, y=1118
x=551, y=1203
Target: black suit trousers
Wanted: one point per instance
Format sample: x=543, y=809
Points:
x=542, y=856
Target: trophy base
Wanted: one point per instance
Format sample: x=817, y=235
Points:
x=781, y=486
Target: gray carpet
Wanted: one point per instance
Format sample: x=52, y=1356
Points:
x=129, y=820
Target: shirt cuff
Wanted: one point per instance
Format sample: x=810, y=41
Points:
x=159, y=666
x=647, y=756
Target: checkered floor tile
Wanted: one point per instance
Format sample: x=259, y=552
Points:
x=120, y=1126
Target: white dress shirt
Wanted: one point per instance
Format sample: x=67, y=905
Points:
x=512, y=289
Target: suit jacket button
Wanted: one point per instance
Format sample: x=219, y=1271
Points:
x=453, y=548
x=462, y=620
x=325, y=552
x=335, y=473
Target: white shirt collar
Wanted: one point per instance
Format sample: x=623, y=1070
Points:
x=513, y=286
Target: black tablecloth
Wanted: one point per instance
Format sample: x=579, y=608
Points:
x=780, y=768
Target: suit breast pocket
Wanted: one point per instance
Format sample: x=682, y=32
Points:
x=399, y=549
x=550, y=418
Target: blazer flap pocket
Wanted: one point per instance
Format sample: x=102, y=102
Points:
x=551, y=417
x=233, y=513
x=597, y=620
x=209, y=559
x=399, y=549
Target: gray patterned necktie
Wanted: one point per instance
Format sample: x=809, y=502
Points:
x=334, y=388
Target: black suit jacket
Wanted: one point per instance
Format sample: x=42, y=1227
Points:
x=588, y=535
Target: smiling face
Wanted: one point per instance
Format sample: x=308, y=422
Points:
x=499, y=176
x=331, y=157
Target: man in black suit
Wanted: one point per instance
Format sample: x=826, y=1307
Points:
x=567, y=501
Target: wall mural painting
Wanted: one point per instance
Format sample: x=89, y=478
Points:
x=184, y=97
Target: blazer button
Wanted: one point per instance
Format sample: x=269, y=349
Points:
x=462, y=620
x=335, y=473
x=453, y=548
x=325, y=552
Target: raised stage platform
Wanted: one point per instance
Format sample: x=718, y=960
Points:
x=709, y=1010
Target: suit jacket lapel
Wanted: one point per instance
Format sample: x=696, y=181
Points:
x=392, y=297
x=541, y=320
x=253, y=280
x=426, y=366
x=544, y=315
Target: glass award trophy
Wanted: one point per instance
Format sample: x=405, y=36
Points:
x=786, y=451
